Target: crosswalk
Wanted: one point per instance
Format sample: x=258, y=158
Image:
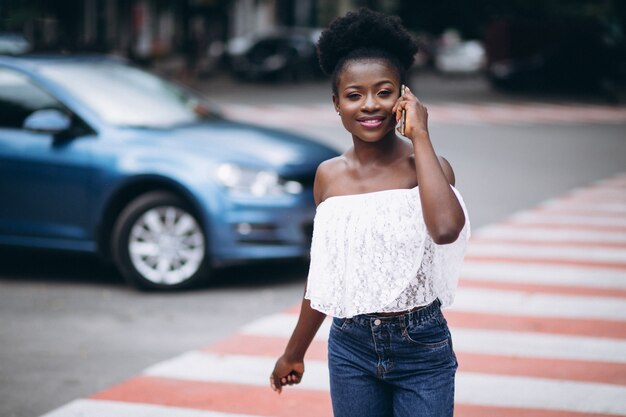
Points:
x=538, y=324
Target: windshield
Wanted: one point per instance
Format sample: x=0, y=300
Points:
x=126, y=96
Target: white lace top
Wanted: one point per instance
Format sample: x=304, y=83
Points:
x=372, y=253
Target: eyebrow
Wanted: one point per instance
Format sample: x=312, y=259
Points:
x=377, y=84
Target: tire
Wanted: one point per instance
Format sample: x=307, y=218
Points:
x=158, y=243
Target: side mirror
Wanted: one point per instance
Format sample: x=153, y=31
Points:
x=48, y=121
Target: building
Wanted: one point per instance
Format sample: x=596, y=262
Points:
x=153, y=31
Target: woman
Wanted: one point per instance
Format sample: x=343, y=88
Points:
x=389, y=237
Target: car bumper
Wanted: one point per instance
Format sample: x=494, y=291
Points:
x=255, y=230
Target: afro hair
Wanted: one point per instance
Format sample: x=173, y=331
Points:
x=363, y=34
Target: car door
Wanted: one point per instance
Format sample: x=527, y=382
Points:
x=44, y=181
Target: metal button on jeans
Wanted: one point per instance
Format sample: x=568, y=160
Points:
x=377, y=322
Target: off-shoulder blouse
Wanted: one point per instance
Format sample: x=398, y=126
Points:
x=371, y=253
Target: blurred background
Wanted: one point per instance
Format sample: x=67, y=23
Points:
x=173, y=144
x=556, y=45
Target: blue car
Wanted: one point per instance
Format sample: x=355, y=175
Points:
x=102, y=157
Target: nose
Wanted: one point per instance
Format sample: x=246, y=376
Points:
x=370, y=103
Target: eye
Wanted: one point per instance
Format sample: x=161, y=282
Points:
x=384, y=93
x=353, y=96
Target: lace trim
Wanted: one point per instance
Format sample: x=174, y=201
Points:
x=372, y=253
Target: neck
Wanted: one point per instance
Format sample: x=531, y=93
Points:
x=368, y=153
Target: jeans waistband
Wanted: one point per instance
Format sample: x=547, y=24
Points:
x=410, y=317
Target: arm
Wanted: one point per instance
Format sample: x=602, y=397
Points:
x=290, y=366
x=443, y=214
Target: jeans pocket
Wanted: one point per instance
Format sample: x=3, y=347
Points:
x=431, y=334
x=340, y=323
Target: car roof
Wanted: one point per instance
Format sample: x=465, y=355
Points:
x=36, y=60
x=33, y=64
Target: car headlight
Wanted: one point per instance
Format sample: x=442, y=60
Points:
x=249, y=182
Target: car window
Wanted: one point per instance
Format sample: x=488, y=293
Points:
x=127, y=96
x=19, y=97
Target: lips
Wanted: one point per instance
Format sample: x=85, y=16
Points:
x=371, y=122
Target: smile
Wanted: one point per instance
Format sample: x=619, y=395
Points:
x=372, y=122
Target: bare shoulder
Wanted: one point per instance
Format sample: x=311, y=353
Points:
x=331, y=168
x=443, y=162
x=447, y=169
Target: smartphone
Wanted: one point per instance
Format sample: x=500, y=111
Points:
x=403, y=118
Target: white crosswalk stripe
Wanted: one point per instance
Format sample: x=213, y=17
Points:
x=524, y=392
x=541, y=305
x=609, y=207
x=540, y=252
x=564, y=275
x=101, y=408
x=543, y=235
x=251, y=370
x=563, y=218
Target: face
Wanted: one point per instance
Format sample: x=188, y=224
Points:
x=366, y=93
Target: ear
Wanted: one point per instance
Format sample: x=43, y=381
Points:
x=336, y=103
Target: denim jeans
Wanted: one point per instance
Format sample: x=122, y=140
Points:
x=396, y=366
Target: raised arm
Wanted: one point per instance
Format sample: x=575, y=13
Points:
x=443, y=213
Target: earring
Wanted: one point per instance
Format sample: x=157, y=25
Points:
x=338, y=113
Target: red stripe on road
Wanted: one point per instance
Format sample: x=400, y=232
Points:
x=561, y=369
x=597, y=194
x=240, y=344
x=551, y=243
x=577, y=226
x=542, y=288
x=221, y=397
x=553, y=211
x=294, y=310
x=576, y=262
x=465, y=410
x=588, y=199
x=540, y=324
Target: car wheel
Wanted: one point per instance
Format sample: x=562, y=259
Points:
x=158, y=243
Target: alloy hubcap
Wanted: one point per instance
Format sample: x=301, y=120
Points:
x=166, y=245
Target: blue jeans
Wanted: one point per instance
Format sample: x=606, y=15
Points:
x=400, y=366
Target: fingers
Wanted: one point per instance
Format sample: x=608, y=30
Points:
x=397, y=110
x=409, y=96
x=408, y=93
x=403, y=102
x=277, y=383
x=399, y=102
x=294, y=378
x=416, y=120
x=396, y=107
